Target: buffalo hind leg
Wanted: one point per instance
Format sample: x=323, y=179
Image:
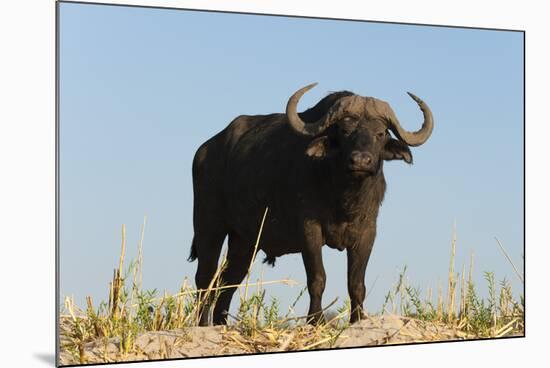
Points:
x=312, y=255
x=239, y=256
x=208, y=246
x=358, y=257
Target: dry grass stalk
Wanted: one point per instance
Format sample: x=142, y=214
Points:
x=138, y=269
x=389, y=336
x=506, y=328
x=451, y=285
x=470, y=283
x=259, y=284
x=509, y=260
x=255, y=251
x=463, y=291
x=317, y=343
x=123, y=248
x=439, y=301
x=116, y=284
x=207, y=294
x=470, y=273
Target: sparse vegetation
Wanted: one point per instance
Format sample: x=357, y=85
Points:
x=497, y=316
x=137, y=324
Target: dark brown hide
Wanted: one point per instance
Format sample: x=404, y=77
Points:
x=322, y=186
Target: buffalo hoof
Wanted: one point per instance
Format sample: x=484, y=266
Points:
x=357, y=317
x=220, y=319
x=316, y=319
x=203, y=322
x=219, y=322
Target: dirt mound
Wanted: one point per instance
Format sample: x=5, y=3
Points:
x=218, y=340
x=390, y=329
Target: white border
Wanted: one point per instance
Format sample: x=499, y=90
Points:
x=27, y=179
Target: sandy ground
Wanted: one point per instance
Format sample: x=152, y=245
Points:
x=218, y=340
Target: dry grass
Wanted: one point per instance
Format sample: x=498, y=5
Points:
x=137, y=324
x=498, y=315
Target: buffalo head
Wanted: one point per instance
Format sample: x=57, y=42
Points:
x=354, y=132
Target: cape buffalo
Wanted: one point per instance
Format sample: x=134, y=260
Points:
x=320, y=174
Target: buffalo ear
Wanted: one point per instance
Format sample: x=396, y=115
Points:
x=318, y=147
x=397, y=150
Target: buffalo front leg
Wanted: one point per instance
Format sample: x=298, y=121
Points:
x=313, y=261
x=358, y=257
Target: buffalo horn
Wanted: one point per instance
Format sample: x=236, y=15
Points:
x=297, y=124
x=419, y=137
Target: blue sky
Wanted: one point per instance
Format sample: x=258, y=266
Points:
x=141, y=89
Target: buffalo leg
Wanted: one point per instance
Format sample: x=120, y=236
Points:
x=312, y=256
x=208, y=246
x=358, y=257
x=238, y=260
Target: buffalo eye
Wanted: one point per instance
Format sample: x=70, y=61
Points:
x=349, y=118
x=348, y=124
x=381, y=135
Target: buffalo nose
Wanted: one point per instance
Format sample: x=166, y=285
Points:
x=360, y=160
